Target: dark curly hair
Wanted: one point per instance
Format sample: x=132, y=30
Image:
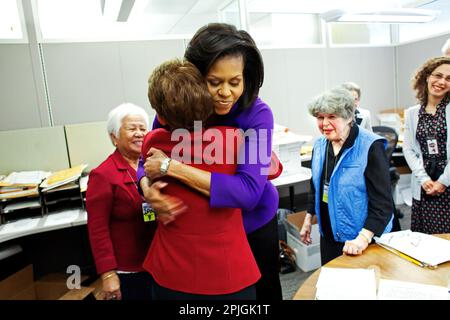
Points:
x=179, y=94
x=419, y=81
x=217, y=40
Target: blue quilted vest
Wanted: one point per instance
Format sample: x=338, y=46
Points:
x=347, y=195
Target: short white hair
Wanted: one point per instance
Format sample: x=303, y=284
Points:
x=117, y=114
x=446, y=48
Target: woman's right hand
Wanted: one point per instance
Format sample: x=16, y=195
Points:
x=111, y=286
x=166, y=207
x=305, y=232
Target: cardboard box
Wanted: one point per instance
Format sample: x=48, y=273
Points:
x=307, y=257
x=21, y=286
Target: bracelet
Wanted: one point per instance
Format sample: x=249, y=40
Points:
x=109, y=275
x=365, y=237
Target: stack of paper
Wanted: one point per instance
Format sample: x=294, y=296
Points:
x=62, y=177
x=21, y=184
x=18, y=192
x=24, y=179
x=428, y=250
x=287, y=146
x=346, y=284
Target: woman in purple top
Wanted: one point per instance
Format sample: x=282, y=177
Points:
x=234, y=72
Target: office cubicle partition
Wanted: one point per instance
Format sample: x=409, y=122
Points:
x=33, y=149
x=88, y=143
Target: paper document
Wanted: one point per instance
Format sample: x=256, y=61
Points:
x=401, y=290
x=84, y=183
x=19, y=193
x=24, y=178
x=428, y=249
x=346, y=284
x=62, y=177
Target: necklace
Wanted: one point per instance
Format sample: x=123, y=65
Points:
x=132, y=179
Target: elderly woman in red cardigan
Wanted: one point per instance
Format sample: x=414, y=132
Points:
x=119, y=236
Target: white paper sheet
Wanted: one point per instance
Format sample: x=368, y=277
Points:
x=401, y=290
x=346, y=284
x=423, y=247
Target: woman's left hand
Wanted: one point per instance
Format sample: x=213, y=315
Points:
x=356, y=246
x=153, y=162
x=437, y=189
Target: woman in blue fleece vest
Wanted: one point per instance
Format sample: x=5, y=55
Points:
x=350, y=185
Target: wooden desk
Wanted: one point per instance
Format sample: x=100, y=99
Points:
x=390, y=266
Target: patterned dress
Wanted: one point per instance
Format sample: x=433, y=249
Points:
x=432, y=213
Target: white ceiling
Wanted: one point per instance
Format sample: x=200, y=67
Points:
x=186, y=16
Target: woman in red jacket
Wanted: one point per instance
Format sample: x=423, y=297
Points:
x=118, y=234
x=204, y=252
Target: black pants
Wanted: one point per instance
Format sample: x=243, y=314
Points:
x=330, y=249
x=265, y=248
x=136, y=286
x=162, y=293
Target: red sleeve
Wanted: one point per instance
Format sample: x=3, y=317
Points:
x=99, y=202
x=146, y=145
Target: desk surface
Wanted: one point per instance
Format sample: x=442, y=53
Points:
x=390, y=265
x=49, y=222
x=304, y=174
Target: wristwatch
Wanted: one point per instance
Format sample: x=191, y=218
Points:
x=165, y=166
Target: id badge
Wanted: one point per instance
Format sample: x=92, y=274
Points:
x=148, y=213
x=432, y=146
x=325, y=192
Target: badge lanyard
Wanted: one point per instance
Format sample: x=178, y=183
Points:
x=432, y=144
x=326, y=184
x=148, y=213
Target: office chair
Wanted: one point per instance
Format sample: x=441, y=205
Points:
x=392, y=138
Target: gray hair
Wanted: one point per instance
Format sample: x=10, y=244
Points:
x=337, y=101
x=446, y=48
x=116, y=116
x=351, y=86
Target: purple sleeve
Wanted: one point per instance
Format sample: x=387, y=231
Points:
x=244, y=188
x=156, y=123
x=140, y=174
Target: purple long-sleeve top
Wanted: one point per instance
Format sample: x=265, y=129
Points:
x=248, y=188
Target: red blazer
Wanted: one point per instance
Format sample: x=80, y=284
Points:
x=118, y=234
x=205, y=250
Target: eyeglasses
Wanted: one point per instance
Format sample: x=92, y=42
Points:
x=439, y=76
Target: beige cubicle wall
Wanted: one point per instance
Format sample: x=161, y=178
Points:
x=88, y=143
x=33, y=149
